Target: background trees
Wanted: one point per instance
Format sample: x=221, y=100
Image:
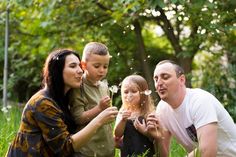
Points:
x=200, y=35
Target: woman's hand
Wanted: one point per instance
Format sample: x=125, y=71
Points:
x=106, y=116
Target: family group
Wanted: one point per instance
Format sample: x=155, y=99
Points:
x=72, y=115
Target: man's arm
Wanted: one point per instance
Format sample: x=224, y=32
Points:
x=207, y=138
x=163, y=144
x=161, y=137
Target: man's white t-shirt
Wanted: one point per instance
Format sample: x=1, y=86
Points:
x=198, y=109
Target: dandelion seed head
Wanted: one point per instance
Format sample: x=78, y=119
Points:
x=114, y=89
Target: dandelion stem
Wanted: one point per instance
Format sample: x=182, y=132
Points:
x=111, y=98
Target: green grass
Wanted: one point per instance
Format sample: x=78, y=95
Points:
x=10, y=124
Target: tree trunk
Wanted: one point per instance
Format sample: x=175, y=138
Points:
x=186, y=64
x=148, y=74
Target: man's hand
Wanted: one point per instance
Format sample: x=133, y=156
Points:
x=153, y=126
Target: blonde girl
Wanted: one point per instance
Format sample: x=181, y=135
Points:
x=130, y=122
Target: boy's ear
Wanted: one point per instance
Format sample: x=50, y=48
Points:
x=83, y=65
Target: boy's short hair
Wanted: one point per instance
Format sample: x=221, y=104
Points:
x=94, y=48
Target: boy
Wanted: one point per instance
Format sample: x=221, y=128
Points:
x=92, y=98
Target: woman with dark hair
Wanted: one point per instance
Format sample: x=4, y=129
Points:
x=46, y=127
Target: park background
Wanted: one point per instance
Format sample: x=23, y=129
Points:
x=198, y=34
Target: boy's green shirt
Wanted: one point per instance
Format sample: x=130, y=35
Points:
x=83, y=99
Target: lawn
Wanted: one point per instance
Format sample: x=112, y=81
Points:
x=10, y=123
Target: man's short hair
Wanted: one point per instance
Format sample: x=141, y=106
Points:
x=178, y=69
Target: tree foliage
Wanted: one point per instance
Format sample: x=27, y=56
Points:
x=138, y=34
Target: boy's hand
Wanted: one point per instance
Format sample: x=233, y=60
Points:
x=104, y=103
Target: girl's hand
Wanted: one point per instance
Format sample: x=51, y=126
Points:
x=125, y=115
x=118, y=142
x=141, y=127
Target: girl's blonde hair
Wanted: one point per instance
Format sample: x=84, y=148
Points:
x=146, y=101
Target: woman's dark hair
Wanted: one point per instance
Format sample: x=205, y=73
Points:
x=53, y=81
